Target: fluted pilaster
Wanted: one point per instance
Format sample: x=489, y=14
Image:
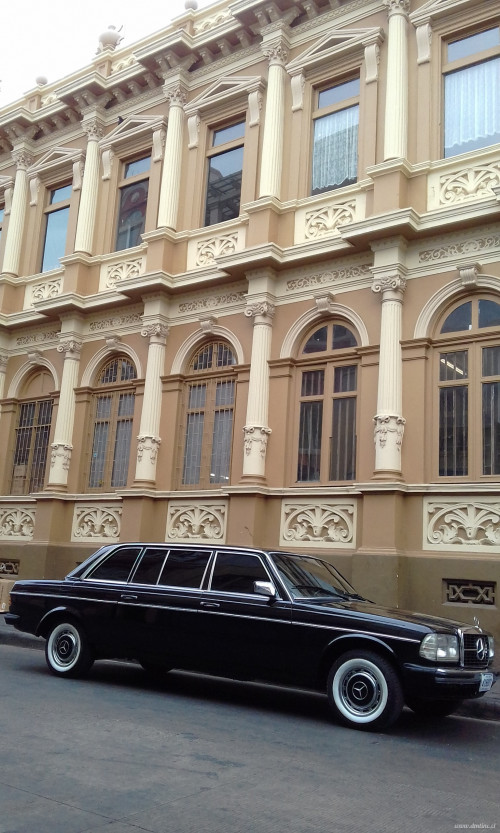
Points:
x=62, y=446
x=272, y=144
x=396, y=106
x=256, y=430
x=171, y=175
x=148, y=441
x=13, y=244
x=88, y=199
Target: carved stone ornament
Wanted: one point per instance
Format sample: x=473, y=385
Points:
x=147, y=444
x=97, y=522
x=472, y=183
x=256, y=434
x=63, y=451
x=70, y=347
x=155, y=331
x=397, y=7
x=276, y=54
x=205, y=522
x=389, y=283
x=94, y=128
x=176, y=96
x=462, y=525
x=323, y=523
x=23, y=160
x=389, y=425
x=264, y=308
x=123, y=271
x=207, y=251
x=17, y=522
x=468, y=273
x=9, y=567
x=327, y=220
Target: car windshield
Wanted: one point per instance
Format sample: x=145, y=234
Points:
x=309, y=577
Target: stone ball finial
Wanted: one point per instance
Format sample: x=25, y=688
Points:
x=41, y=80
x=191, y=4
x=110, y=38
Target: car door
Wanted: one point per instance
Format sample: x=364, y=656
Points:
x=242, y=633
x=158, y=610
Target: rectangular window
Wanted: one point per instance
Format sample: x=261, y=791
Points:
x=194, y=434
x=225, y=166
x=335, y=141
x=31, y=446
x=133, y=203
x=472, y=92
x=453, y=415
x=491, y=410
x=222, y=432
x=343, y=439
x=310, y=426
x=56, y=228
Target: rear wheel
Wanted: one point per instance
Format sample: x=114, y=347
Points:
x=67, y=651
x=364, y=691
x=432, y=708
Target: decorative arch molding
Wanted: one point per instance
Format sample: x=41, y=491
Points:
x=200, y=335
x=37, y=360
x=105, y=353
x=296, y=331
x=451, y=291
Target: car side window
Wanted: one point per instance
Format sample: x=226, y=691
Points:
x=185, y=568
x=149, y=567
x=236, y=572
x=117, y=566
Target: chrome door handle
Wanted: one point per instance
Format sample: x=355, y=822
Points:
x=128, y=598
x=210, y=605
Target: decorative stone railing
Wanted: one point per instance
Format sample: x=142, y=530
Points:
x=469, y=178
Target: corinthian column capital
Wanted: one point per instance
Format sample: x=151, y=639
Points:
x=264, y=308
x=71, y=348
x=398, y=7
x=389, y=282
x=276, y=53
x=175, y=94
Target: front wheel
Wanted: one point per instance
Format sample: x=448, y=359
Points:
x=364, y=691
x=67, y=651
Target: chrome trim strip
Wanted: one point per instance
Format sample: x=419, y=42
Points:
x=357, y=632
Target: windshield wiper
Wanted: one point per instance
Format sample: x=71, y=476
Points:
x=320, y=591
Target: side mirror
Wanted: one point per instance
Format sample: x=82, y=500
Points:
x=265, y=588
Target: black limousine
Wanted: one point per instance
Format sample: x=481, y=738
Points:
x=251, y=614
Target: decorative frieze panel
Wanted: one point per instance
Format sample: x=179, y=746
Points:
x=17, y=523
x=315, y=220
x=213, y=302
x=323, y=523
x=196, y=521
x=203, y=252
x=448, y=251
x=470, y=525
x=119, y=271
x=9, y=567
x=42, y=291
x=463, y=591
x=451, y=184
x=96, y=522
x=317, y=280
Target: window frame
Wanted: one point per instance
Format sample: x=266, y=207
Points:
x=473, y=342
x=28, y=478
x=128, y=182
x=318, y=113
x=50, y=210
x=448, y=67
x=213, y=151
x=329, y=361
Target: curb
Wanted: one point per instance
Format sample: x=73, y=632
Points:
x=484, y=708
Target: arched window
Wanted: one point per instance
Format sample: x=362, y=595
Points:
x=468, y=360
x=327, y=405
x=112, y=415
x=209, y=407
x=32, y=434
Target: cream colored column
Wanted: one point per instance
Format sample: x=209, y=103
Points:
x=13, y=244
x=274, y=125
x=396, y=104
x=87, y=211
x=62, y=446
x=171, y=174
x=256, y=430
x=389, y=422
x=148, y=441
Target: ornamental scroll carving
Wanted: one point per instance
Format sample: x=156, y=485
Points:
x=466, y=247
x=328, y=219
x=388, y=424
x=256, y=435
x=123, y=271
x=476, y=182
x=9, y=567
x=197, y=522
x=97, y=523
x=461, y=591
x=324, y=523
x=207, y=251
x=17, y=522
x=45, y=291
x=147, y=444
x=462, y=525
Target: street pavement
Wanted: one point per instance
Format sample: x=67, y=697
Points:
x=484, y=708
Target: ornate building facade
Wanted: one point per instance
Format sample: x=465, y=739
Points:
x=250, y=293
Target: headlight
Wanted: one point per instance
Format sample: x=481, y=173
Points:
x=440, y=647
x=491, y=647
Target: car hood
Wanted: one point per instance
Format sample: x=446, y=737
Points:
x=366, y=609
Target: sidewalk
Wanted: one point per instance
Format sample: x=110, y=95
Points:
x=485, y=708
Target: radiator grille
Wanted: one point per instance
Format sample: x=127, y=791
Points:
x=475, y=650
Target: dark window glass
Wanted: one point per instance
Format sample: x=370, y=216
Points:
x=313, y=383
x=453, y=431
x=317, y=342
x=139, y=166
x=228, y=134
x=54, y=245
x=458, y=320
x=132, y=214
x=310, y=428
x=32, y=442
x=342, y=338
x=224, y=186
x=491, y=428
x=454, y=366
x=343, y=440
x=236, y=572
x=149, y=567
x=345, y=379
x=489, y=313
x=185, y=568
x=118, y=566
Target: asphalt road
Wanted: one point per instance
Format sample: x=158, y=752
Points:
x=117, y=754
